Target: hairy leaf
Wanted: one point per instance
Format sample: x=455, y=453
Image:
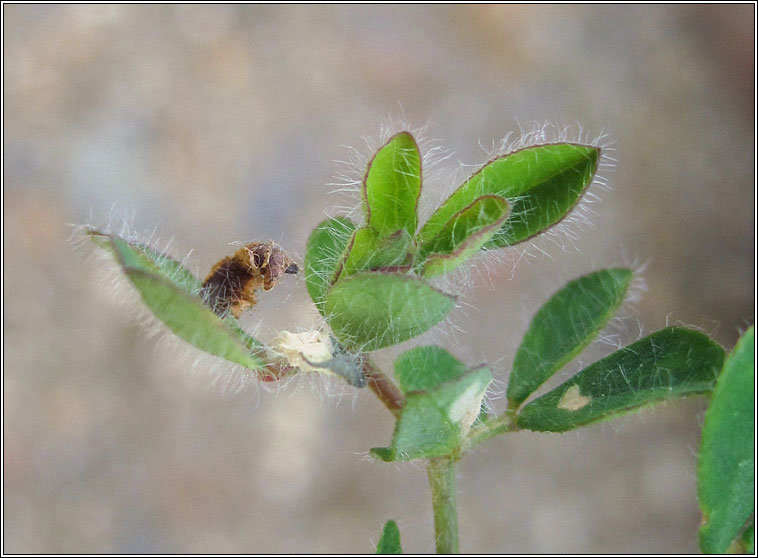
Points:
x=463, y=235
x=323, y=254
x=371, y=310
x=564, y=326
x=433, y=422
x=164, y=264
x=726, y=465
x=673, y=362
x=183, y=312
x=369, y=250
x=426, y=367
x=392, y=186
x=542, y=184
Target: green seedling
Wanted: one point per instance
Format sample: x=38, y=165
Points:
x=371, y=281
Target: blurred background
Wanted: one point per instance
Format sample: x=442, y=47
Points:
x=214, y=124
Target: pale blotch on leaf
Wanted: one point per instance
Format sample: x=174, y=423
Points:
x=573, y=400
x=466, y=407
x=299, y=350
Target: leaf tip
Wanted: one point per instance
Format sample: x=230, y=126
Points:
x=384, y=454
x=390, y=540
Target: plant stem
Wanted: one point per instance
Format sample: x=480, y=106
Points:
x=493, y=427
x=387, y=392
x=441, y=471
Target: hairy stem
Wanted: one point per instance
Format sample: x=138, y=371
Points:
x=493, y=427
x=387, y=392
x=441, y=471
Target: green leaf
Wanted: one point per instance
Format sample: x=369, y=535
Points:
x=422, y=431
x=564, y=326
x=463, y=235
x=541, y=184
x=369, y=250
x=432, y=423
x=183, y=312
x=670, y=363
x=748, y=539
x=385, y=454
x=426, y=367
x=191, y=320
x=323, y=254
x=726, y=466
x=144, y=256
x=250, y=342
x=392, y=186
x=371, y=310
x=390, y=541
